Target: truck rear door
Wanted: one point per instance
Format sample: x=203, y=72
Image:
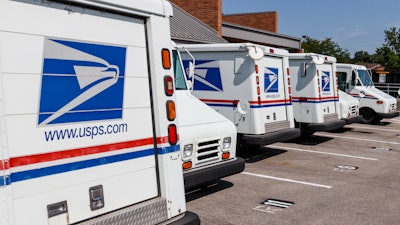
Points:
x=274, y=89
x=328, y=91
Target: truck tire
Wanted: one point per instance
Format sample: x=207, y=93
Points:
x=369, y=116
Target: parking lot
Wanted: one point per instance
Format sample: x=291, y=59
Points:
x=350, y=176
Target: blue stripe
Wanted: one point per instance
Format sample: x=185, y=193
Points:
x=52, y=170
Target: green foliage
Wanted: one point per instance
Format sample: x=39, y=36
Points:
x=363, y=57
x=326, y=47
x=389, y=54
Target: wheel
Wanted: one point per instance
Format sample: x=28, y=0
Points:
x=368, y=116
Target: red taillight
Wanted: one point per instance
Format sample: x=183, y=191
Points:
x=257, y=80
x=271, y=51
x=166, y=58
x=172, y=134
x=168, y=85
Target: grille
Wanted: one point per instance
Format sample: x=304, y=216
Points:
x=208, y=151
x=353, y=110
x=330, y=117
x=392, y=107
x=275, y=126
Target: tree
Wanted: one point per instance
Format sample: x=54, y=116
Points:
x=389, y=54
x=363, y=57
x=326, y=47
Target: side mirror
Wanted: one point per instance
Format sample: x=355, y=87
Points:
x=190, y=70
x=256, y=53
x=243, y=106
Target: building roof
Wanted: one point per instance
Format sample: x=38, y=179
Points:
x=186, y=28
x=235, y=32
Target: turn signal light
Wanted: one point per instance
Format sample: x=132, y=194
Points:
x=171, y=113
x=225, y=155
x=166, y=59
x=256, y=68
x=187, y=165
x=379, y=102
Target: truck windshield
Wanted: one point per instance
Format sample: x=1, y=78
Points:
x=365, y=78
x=180, y=81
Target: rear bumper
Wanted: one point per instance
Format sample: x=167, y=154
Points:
x=328, y=126
x=205, y=175
x=269, y=138
x=188, y=219
x=388, y=115
x=355, y=119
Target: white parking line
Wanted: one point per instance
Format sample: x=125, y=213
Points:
x=372, y=128
x=287, y=180
x=318, y=152
x=361, y=139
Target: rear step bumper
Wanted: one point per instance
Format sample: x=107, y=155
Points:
x=205, y=175
x=355, y=119
x=327, y=126
x=270, y=138
x=388, y=115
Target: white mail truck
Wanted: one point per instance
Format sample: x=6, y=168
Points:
x=374, y=103
x=249, y=85
x=314, y=92
x=87, y=114
x=207, y=139
x=349, y=108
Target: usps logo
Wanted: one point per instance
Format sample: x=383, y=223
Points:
x=325, y=81
x=207, y=75
x=81, y=82
x=271, y=84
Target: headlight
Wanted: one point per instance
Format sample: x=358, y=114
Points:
x=226, y=144
x=187, y=150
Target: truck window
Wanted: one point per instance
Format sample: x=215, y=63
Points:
x=364, y=77
x=180, y=81
x=342, y=77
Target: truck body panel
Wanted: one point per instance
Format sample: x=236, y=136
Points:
x=315, y=97
x=207, y=139
x=226, y=78
x=374, y=103
x=84, y=131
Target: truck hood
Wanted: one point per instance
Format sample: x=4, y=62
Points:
x=191, y=111
x=347, y=99
x=376, y=93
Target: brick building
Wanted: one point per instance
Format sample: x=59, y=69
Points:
x=260, y=28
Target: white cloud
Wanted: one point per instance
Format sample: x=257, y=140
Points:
x=357, y=32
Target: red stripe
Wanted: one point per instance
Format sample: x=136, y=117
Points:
x=46, y=157
x=270, y=101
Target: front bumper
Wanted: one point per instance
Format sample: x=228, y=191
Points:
x=388, y=115
x=204, y=175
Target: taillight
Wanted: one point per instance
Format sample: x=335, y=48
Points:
x=168, y=85
x=172, y=134
x=166, y=59
x=171, y=113
x=257, y=80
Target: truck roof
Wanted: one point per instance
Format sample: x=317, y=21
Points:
x=327, y=58
x=229, y=47
x=159, y=7
x=353, y=66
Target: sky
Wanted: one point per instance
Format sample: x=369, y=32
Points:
x=356, y=25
